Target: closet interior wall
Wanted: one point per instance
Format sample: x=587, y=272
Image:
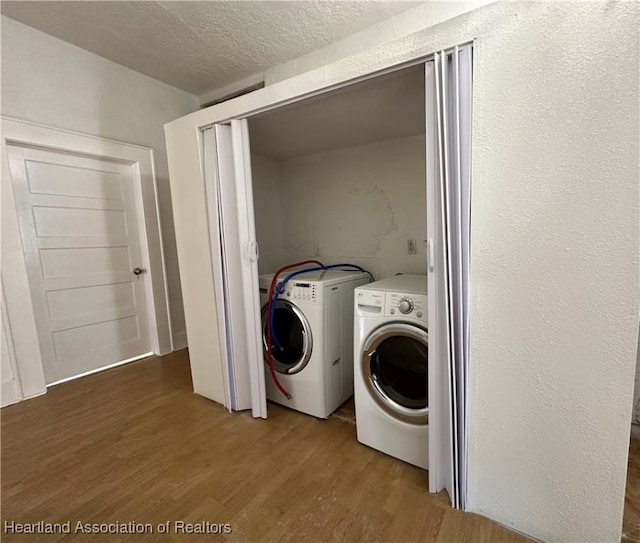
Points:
x=268, y=209
x=341, y=177
x=360, y=204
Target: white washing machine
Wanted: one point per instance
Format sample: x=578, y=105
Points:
x=313, y=322
x=391, y=356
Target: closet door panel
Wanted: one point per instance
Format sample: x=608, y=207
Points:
x=440, y=414
x=249, y=269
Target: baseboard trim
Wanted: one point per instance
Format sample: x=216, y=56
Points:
x=180, y=340
x=100, y=369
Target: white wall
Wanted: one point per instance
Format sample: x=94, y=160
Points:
x=268, y=212
x=358, y=205
x=555, y=263
x=554, y=278
x=50, y=82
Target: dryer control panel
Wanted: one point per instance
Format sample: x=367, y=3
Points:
x=398, y=304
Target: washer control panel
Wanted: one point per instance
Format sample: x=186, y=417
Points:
x=301, y=291
x=410, y=305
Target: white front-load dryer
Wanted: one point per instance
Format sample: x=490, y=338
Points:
x=391, y=355
x=313, y=322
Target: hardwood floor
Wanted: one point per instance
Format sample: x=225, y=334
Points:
x=134, y=444
x=631, y=521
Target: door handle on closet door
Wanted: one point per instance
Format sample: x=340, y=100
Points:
x=253, y=252
x=431, y=256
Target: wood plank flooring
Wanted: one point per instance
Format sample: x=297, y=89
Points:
x=631, y=521
x=134, y=444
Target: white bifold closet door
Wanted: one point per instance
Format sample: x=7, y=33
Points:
x=234, y=259
x=448, y=110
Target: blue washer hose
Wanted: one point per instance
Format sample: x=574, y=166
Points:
x=282, y=284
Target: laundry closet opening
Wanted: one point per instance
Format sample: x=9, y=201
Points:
x=341, y=177
x=355, y=183
x=338, y=178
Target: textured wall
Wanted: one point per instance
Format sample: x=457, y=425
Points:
x=395, y=27
x=50, y=82
x=554, y=302
x=268, y=212
x=358, y=205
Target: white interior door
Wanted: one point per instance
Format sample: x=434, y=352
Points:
x=81, y=232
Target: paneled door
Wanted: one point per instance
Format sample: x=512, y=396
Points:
x=80, y=225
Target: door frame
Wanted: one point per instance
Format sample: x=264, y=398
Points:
x=13, y=265
x=10, y=391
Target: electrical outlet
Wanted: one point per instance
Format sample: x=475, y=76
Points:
x=412, y=248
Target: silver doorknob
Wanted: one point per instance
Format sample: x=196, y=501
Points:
x=138, y=271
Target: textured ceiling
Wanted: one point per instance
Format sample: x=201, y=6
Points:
x=200, y=46
x=382, y=108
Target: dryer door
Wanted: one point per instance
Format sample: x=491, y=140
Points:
x=394, y=366
x=290, y=328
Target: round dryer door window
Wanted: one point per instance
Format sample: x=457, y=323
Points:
x=291, y=340
x=395, y=361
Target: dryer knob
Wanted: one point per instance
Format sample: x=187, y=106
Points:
x=405, y=306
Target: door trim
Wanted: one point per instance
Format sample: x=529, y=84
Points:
x=14, y=269
x=10, y=391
